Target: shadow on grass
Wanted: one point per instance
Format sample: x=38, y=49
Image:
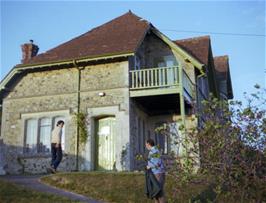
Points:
x=207, y=195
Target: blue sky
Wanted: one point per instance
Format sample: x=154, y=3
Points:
x=50, y=23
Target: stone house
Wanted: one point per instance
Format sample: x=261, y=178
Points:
x=125, y=76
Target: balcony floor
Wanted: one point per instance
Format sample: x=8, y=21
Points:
x=160, y=104
x=154, y=91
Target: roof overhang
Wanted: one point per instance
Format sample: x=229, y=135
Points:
x=21, y=68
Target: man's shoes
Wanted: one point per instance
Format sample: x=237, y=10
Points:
x=51, y=170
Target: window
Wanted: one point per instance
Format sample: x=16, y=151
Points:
x=31, y=135
x=137, y=63
x=162, y=138
x=45, y=135
x=38, y=134
x=162, y=142
x=165, y=61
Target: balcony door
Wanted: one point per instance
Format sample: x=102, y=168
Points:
x=167, y=61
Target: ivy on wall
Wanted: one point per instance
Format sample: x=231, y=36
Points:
x=80, y=119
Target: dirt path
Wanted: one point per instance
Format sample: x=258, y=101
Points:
x=33, y=182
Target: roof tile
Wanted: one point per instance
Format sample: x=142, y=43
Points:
x=120, y=35
x=221, y=63
x=198, y=47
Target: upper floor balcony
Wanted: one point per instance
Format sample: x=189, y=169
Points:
x=161, y=81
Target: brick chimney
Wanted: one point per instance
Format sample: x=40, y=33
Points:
x=29, y=50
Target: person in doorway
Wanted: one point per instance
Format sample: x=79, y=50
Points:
x=56, y=147
x=157, y=167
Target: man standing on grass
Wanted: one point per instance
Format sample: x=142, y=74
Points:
x=155, y=163
x=56, y=147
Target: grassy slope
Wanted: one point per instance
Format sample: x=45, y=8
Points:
x=129, y=188
x=115, y=187
x=11, y=193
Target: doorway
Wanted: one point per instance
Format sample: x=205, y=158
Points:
x=105, y=143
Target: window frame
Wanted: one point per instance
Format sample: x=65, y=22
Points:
x=27, y=150
x=38, y=132
x=166, y=140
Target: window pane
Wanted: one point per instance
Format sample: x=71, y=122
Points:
x=161, y=142
x=165, y=144
x=45, y=135
x=56, y=119
x=31, y=135
x=162, y=137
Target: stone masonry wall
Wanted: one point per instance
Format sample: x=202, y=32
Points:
x=56, y=90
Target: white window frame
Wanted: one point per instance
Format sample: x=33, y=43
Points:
x=38, y=116
x=40, y=125
x=29, y=145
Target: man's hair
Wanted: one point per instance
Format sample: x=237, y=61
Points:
x=60, y=122
x=150, y=142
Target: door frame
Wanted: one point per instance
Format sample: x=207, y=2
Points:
x=96, y=139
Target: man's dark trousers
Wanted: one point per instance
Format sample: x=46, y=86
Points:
x=56, y=155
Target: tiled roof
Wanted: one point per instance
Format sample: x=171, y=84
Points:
x=198, y=47
x=121, y=35
x=221, y=63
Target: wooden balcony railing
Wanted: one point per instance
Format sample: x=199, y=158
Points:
x=154, y=77
x=158, y=78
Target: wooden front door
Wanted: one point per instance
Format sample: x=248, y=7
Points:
x=106, y=131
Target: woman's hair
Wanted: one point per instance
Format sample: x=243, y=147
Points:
x=60, y=122
x=150, y=142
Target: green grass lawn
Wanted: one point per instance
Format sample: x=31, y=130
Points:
x=11, y=193
x=117, y=187
x=123, y=187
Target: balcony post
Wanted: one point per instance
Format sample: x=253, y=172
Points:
x=182, y=102
x=182, y=150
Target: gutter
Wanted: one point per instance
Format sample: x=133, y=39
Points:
x=20, y=68
x=78, y=111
